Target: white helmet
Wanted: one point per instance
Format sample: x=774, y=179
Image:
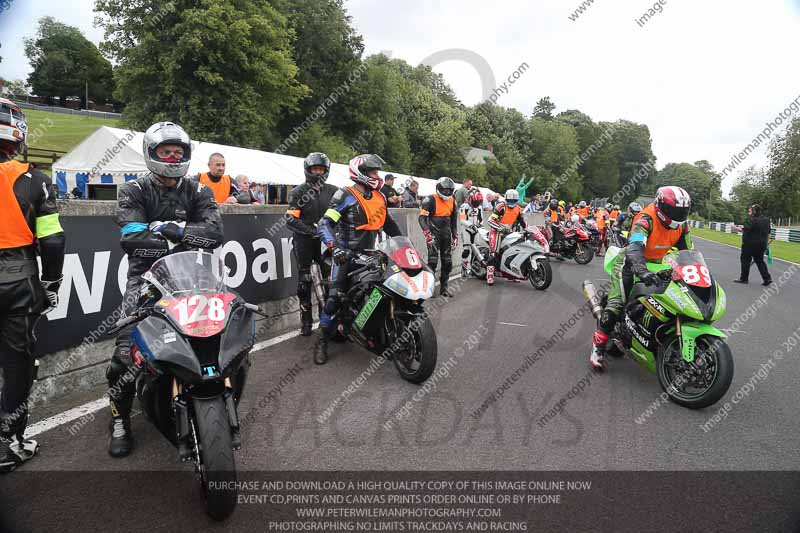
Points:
x=167, y=133
x=13, y=127
x=512, y=197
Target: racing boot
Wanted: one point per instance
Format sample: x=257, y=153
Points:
x=445, y=291
x=120, y=442
x=306, y=320
x=490, y=275
x=598, y=357
x=321, y=348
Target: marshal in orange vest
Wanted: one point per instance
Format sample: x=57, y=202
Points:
x=374, y=208
x=661, y=239
x=15, y=231
x=511, y=215
x=221, y=189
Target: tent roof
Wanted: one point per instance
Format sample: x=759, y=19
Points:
x=118, y=152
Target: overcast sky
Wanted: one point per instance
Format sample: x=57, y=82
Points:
x=704, y=76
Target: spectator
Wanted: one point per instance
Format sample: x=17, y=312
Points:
x=755, y=239
x=463, y=192
x=244, y=194
x=220, y=183
x=410, y=196
x=388, y=190
x=260, y=194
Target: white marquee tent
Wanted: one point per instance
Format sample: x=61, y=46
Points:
x=112, y=155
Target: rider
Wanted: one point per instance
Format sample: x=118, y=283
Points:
x=352, y=222
x=307, y=202
x=582, y=210
x=438, y=218
x=613, y=212
x=656, y=230
x=552, y=216
x=601, y=218
x=28, y=224
x=625, y=220
x=505, y=215
x=470, y=214
x=156, y=213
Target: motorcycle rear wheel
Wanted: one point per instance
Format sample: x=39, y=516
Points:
x=416, y=361
x=478, y=270
x=713, y=359
x=217, y=464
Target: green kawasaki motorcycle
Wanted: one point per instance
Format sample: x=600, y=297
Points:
x=667, y=328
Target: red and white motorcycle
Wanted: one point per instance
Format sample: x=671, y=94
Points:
x=522, y=255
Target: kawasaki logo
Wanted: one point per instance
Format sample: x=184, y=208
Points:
x=632, y=328
x=368, y=309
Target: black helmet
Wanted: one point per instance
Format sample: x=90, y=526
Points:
x=313, y=160
x=445, y=188
x=553, y=204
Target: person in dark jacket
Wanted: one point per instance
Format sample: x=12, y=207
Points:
x=438, y=218
x=161, y=212
x=755, y=238
x=29, y=227
x=410, y=195
x=307, y=203
x=389, y=192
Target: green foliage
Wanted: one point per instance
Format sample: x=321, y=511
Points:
x=222, y=69
x=544, y=109
x=64, y=62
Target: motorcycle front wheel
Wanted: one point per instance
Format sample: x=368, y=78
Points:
x=700, y=383
x=416, y=359
x=216, y=462
x=583, y=253
x=541, y=276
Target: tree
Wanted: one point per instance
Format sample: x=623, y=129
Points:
x=64, y=62
x=223, y=70
x=16, y=87
x=784, y=173
x=544, y=108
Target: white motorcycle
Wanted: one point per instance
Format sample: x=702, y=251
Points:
x=523, y=255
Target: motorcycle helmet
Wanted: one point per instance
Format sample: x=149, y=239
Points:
x=162, y=133
x=609, y=207
x=581, y=204
x=562, y=203
x=475, y=197
x=512, y=197
x=445, y=188
x=672, y=206
x=364, y=170
x=634, y=208
x=554, y=204
x=13, y=127
x=316, y=159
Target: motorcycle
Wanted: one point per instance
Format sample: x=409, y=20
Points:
x=667, y=328
x=190, y=344
x=383, y=307
x=617, y=237
x=522, y=255
x=571, y=242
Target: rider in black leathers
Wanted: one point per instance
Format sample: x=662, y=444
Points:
x=307, y=203
x=438, y=218
x=161, y=212
x=352, y=223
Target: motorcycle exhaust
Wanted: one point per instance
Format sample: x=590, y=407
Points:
x=316, y=277
x=593, y=297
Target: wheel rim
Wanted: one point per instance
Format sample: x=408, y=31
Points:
x=690, y=381
x=582, y=252
x=537, y=275
x=409, y=359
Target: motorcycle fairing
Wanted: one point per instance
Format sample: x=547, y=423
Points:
x=419, y=287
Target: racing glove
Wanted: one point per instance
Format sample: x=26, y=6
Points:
x=648, y=278
x=51, y=291
x=172, y=231
x=339, y=256
x=428, y=236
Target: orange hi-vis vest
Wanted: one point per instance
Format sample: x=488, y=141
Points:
x=554, y=215
x=511, y=215
x=583, y=211
x=374, y=208
x=444, y=208
x=600, y=218
x=221, y=189
x=614, y=214
x=14, y=229
x=661, y=239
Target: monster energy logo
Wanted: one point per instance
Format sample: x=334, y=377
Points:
x=369, y=307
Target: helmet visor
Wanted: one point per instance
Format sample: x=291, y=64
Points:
x=677, y=214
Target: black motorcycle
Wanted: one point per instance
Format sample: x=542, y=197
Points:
x=383, y=307
x=190, y=347
x=571, y=242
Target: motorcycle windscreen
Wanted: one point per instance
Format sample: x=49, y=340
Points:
x=199, y=315
x=419, y=287
x=690, y=267
x=402, y=253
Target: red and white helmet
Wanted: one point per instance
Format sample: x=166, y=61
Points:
x=363, y=170
x=672, y=206
x=475, y=197
x=13, y=127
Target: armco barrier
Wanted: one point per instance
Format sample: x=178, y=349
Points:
x=73, y=347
